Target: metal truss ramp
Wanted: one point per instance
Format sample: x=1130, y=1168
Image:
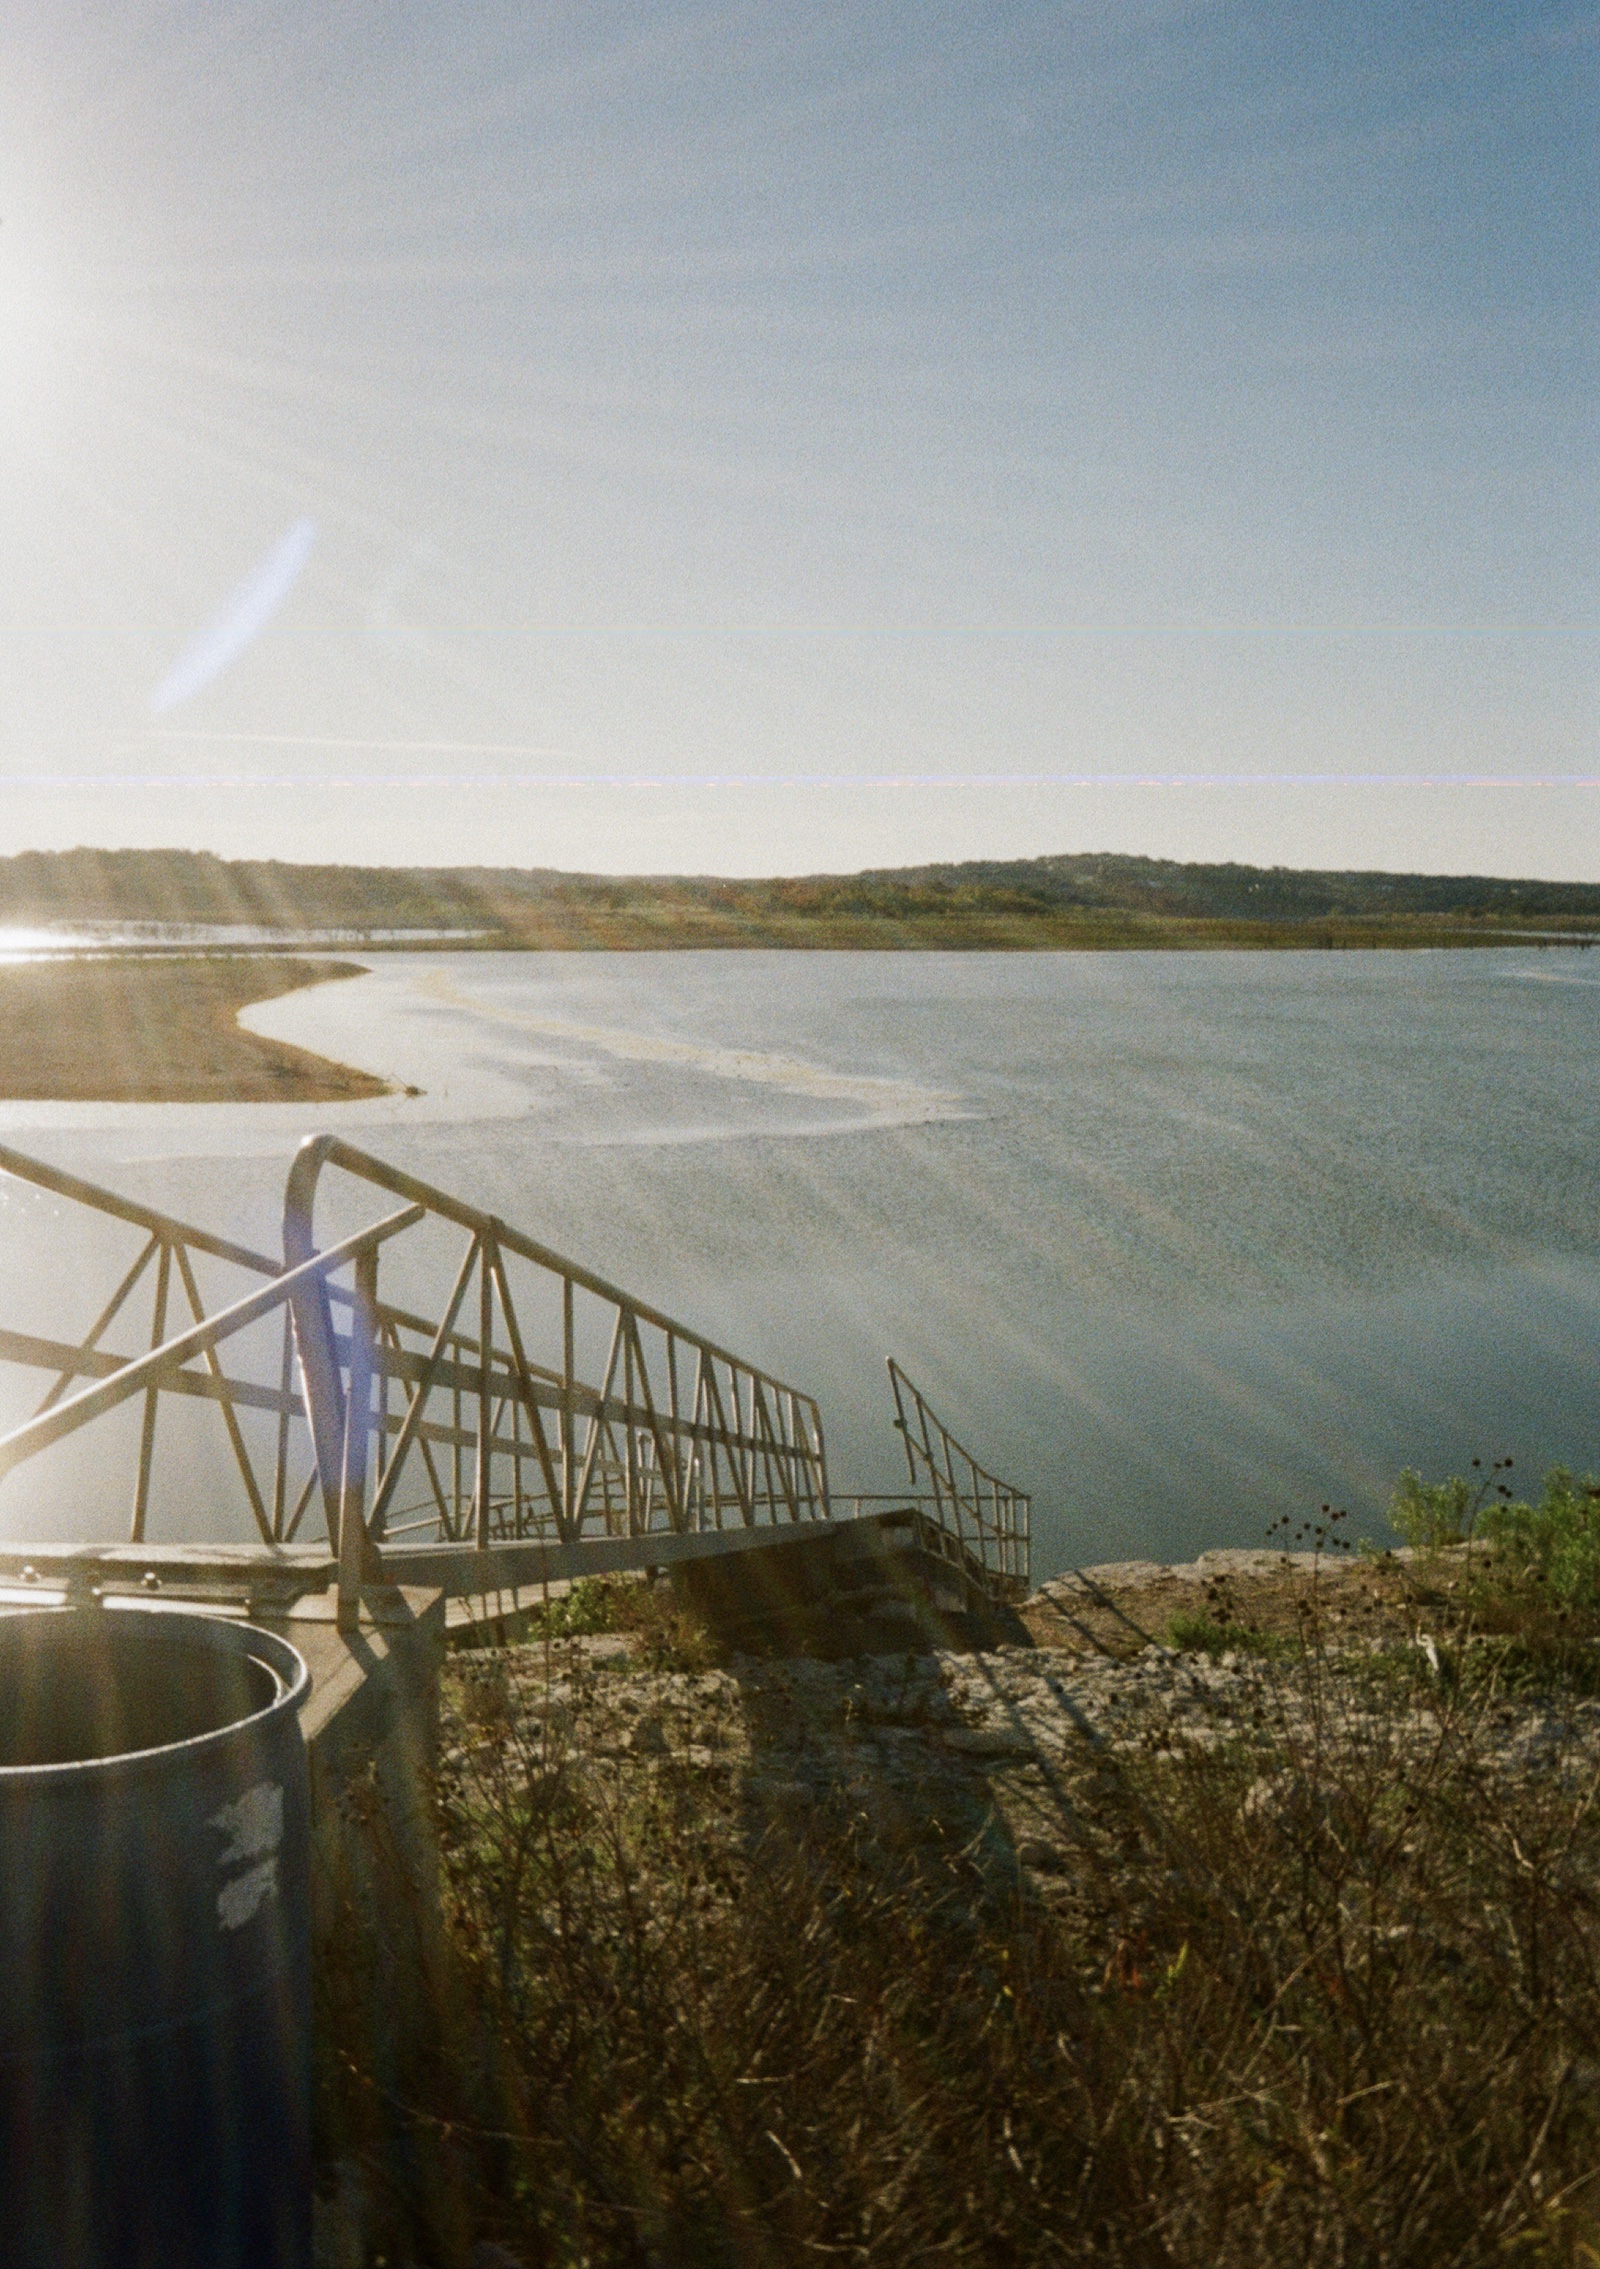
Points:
x=416, y=1393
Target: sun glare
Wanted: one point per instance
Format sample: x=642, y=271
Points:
x=38, y=945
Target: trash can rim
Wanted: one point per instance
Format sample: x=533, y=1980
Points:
x=287, y=1664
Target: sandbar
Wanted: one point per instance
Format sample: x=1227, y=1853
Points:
x=162, y=1028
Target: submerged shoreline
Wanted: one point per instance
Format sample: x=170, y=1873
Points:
x=148, y=1022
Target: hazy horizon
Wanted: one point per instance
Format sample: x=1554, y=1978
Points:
x=775, y=874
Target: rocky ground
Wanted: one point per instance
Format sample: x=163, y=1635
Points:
x=1012, y=1745
x=1276, y=1870
x=1262, y=1595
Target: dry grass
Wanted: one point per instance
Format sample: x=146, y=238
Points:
x=1323, y=1991
x=1349, y=1597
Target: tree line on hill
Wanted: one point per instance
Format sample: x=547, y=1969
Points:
x=1094, y=897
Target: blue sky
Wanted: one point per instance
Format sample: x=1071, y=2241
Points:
x=752, y=439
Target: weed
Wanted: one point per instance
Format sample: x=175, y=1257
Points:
x=1202, y=1633
x=1318, y=1984
x=588, y=1608
x=1434, y=1515
x=1554, y=1544
x=1531, y=1579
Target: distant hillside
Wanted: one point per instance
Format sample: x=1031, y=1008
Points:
x=1239, y=893
x=195, y=886
x=1077, y=899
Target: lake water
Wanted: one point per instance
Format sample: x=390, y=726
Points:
x=1178, y=1242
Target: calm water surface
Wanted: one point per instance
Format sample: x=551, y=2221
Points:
x=1179, y=1242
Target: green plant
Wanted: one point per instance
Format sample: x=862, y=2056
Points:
x=1530, y=1590
x=1200, y=1633
x=1555, y=1543
x=1432, y=1515
x=663, y=1630
x=587, y=1609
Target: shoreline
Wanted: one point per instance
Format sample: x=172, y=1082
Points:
x=159, y=1023
x=984, y=934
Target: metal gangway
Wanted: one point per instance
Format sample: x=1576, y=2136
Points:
x=492, y=1418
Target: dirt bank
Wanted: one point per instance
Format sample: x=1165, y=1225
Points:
x=161, y=1029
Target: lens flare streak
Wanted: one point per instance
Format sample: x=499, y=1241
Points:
x=240, y=623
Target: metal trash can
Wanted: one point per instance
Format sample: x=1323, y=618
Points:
x=154, y=1944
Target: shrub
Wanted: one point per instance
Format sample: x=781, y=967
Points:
x=1433, y=1514
x=1556, y=1542
x=588, y=1608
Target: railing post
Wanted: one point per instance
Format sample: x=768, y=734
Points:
x=147, y=1431
x=324, y=1396
x=280, y=1469
x=357, y=1429
x=483, y=1475
x=569, y=1471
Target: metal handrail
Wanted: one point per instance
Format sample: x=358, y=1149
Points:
x=989, y=1519
x=673, y=1433
x=162, y=1363
x=511, y=1441
x=162, y=1225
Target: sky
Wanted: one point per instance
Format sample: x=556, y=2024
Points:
x=748, y=439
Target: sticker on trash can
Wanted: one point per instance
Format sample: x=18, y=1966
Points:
x=253, y=1828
